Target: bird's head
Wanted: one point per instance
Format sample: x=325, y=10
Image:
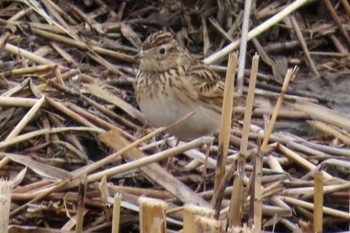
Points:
x=161, y=52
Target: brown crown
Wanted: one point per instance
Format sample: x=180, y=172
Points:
x=156, y=39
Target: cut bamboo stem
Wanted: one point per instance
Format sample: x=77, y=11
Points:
x=5, y=201
x=236, y=209
x=207, y=225
x=152, y=215
x=59, y=75
x=81, y=204
x=240, y=229
x=225, y=127
x=318, y=202
x=268, y=132
x=116, y=213
x=249, y=107
x=258, y=161
x=237, y=203
x=189, y=214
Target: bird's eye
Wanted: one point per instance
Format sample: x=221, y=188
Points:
x=162, y=51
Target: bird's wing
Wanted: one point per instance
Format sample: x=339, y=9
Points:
x=209, y=87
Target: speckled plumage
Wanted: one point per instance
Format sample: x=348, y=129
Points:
x=171, y=83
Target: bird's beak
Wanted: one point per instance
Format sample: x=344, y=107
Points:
x=139, y=55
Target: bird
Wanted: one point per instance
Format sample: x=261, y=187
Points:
x=171, y=83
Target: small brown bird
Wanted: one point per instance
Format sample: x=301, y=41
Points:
x=171, y=83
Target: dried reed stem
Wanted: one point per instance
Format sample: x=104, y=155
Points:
x=99, y=92
x=243, y=45
x=154, y=171
x=24, y=137
x=31, y=113
x=330, y=130
x=27, y=70
x=328, y=115
x=326, y=190
x=87, y=168
x=300, y=160
x=59, y=106
x=17, y=101
x=31, y=56
x=112, y=157
x=336, y=19
x=346, y=6
x=150, y=159
x=256, y=31
x=310, y=206
x=303, y=45
x=22, y=124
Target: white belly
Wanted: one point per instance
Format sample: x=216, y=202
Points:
x=165, y=110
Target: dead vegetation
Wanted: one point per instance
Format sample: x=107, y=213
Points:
x=72, y=136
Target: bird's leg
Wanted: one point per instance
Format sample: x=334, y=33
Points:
x=204, y=172
x=169, y=164
x=164, y=144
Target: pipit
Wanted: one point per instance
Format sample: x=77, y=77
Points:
x=172, y=83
